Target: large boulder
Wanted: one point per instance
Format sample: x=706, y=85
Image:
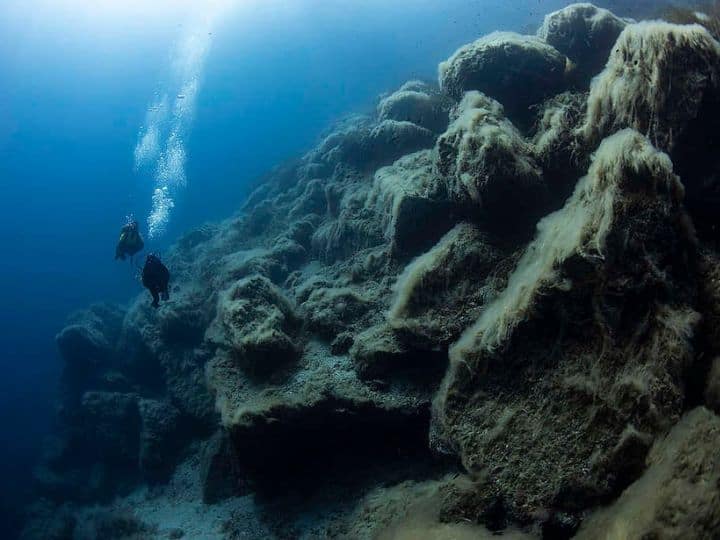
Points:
x=557, y=145
x=365, y=145
x=378, y=353
x=554, y=391
x=519, y=71
x=712, y=389
x=405, y=203
x=257, y=324
x=678, y=496
x=392, y=139
x=489, y=167
x=83, y=346
x=442, y=291
x=418, y=104
x=302, y=441
x=664, y=80
x=331, y=310
x=660, y=79
x=585, y=34
x=87, y=347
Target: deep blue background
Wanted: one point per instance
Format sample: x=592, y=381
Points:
x=73, y=93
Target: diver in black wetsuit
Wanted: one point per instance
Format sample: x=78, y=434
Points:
x=130, y=241
x=155, y=278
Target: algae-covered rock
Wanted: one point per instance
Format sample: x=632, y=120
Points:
x=375, y=351
x=519, y=71
x=441, y=292
x=331, y=310
x=585, y=34
x=256, y=323
x=489, y=166
x=392, y=139
x=111, y=426
x=87, y=347
x=440, y=248
x=557, y=146
x=421, y=105
x=404, y=199
x=551, y=355
x=284, y=442
x=365, y=145
x=678, y=496
x=659, y=79
x=712, y=390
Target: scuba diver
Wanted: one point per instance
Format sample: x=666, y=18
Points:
x=155, y=278
x=130, y=241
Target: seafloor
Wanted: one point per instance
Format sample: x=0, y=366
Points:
x=491, y=306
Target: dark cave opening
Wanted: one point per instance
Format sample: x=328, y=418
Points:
x=333, y=444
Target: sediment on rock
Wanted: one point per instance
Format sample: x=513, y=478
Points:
x=519, y=71
x=585, y=34
x=489, y=169
x=619, y=251
x=678, y=496
x=662, y=80
x=503, y=271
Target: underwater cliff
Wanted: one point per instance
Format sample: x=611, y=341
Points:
x=489, y=307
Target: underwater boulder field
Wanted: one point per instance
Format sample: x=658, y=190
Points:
x=487, y=308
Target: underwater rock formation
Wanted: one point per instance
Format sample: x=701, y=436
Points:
x=559, y=333
x=518, y=71
x=488, y=305
x=489, y=165
x=662, y=79
x=658, y=79
x=418, y=103
x=679, y=494
x=438, y=293
x=253, y=322
x=585, y=34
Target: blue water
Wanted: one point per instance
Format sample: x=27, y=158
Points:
x=76, y=82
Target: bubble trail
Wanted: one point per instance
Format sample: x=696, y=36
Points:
x=160, y=149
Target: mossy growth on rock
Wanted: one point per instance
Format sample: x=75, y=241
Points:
x=534, y=350
x=512, y=277
x=585, y=34
x=706, y=14
x=519, y=71
x=658, y=79
x=256, y=322
x=488, y=166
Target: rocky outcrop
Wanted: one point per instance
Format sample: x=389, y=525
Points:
x=220, y=472
x=161, y=437
x=509, y=278
x=440, y=293
x=557, y=146
x=678, y=496
x=585, y=34
x=559, y=332
x=518, y=71
x=662, y=79
x=370, y=145
x=255, y=323
x=658, y=80
x=489, y=166
x=418, y=103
